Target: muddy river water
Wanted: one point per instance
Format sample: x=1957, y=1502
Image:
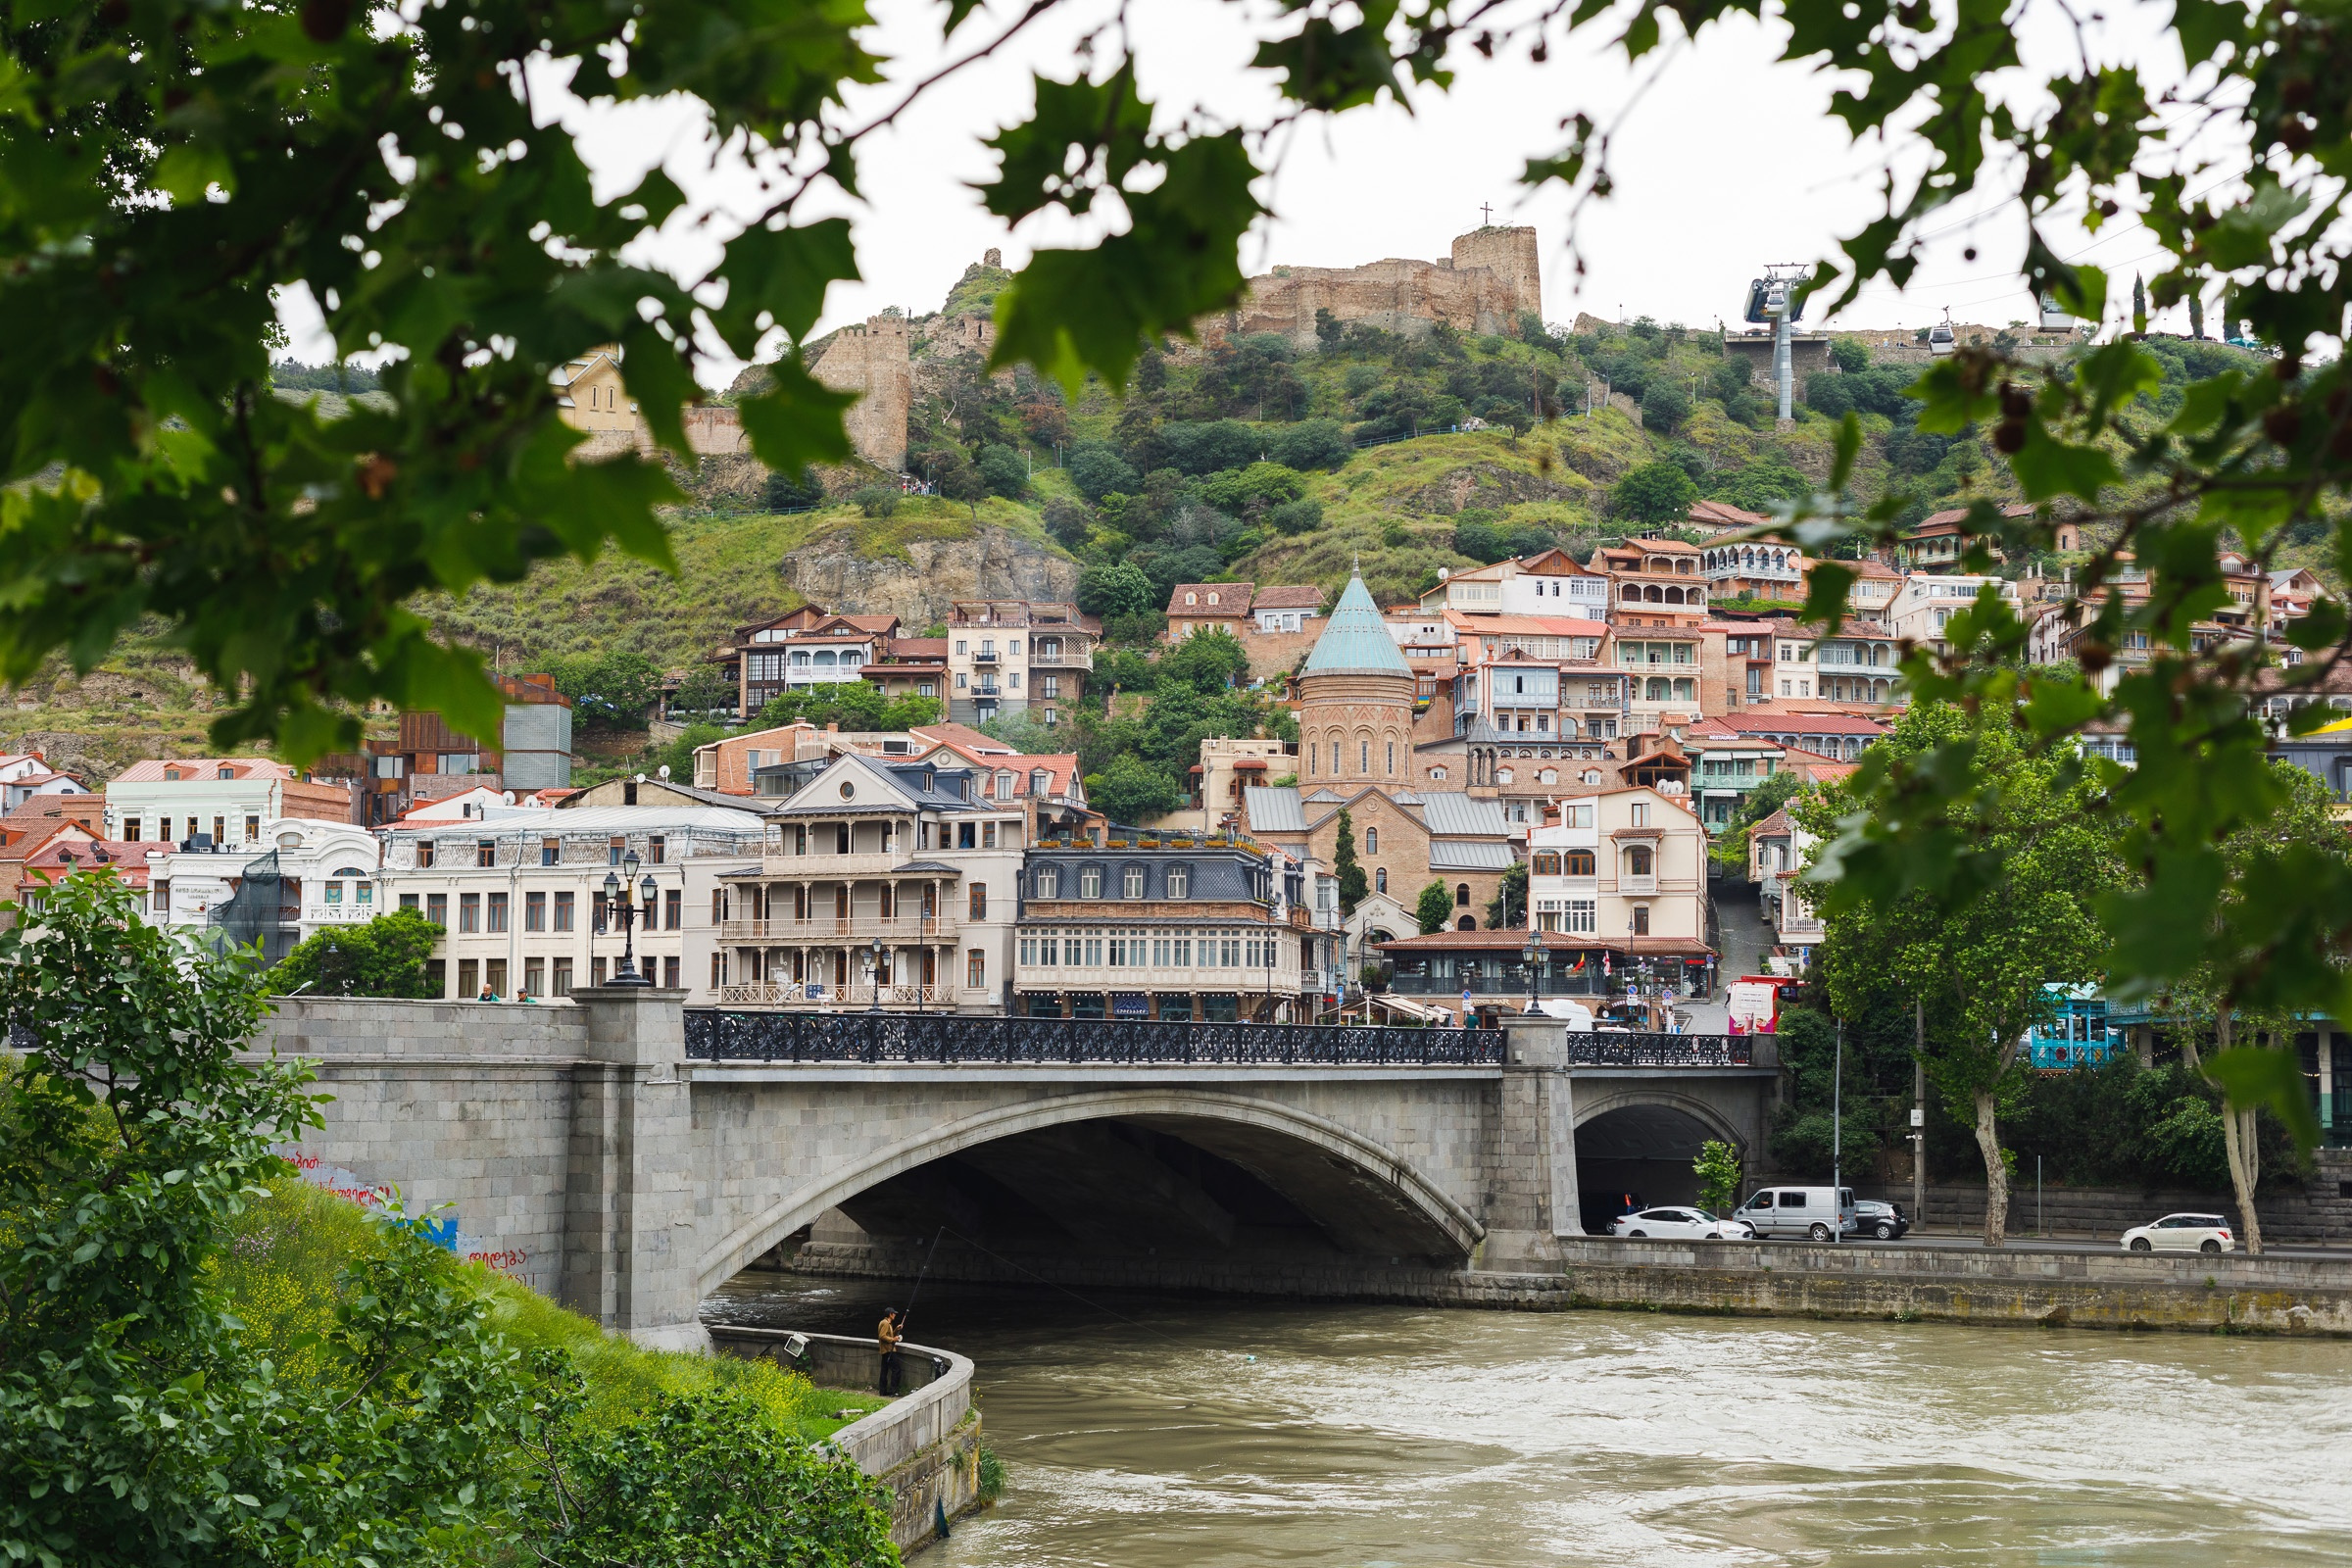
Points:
x=1148, y=1433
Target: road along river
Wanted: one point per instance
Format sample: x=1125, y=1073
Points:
x=1155, y=1433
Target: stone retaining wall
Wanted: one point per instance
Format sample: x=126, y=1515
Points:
x=2086, y=1290
x=923, y=1448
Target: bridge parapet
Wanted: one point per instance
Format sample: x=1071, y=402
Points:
x=712, y=1035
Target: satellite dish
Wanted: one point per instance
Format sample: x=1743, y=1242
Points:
x=509, y=797
x=664, y=770
x=641, y=778
x=1443, y=574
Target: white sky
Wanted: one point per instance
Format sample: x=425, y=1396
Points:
x=1725, y=163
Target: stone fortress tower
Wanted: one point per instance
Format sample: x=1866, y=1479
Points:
x=1355, y=713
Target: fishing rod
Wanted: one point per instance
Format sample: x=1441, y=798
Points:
x=908, y=1309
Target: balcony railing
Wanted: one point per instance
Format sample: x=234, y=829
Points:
x=814, y=994
x=905, y=928
x=837, y=866
x=715, y=1035
x=1063, y=658
x=984, y=656
x=1637, y=887
x=1282, y=980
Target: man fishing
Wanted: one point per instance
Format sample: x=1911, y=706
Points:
x=886, y=1338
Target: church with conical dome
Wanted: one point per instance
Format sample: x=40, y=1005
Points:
x=1355, y=700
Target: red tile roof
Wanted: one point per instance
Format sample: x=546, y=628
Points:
x=1233, y=599
x=150, y=770
x=1723, y=515
x=1284, y=596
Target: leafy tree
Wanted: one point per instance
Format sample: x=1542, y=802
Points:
x=1209, y=663
x=700, y=1481
x=1326, y=328
x=1068, y=522
x=1350, y=871
x=1729, y=847
x=785, y=492
x=1134, y=792
x=705, y=690
x=137, y=1422
x=1730, y=377
x=1506, y=910
x=2040, y=843
x=1658, y=491
x=1294, y=518
x=2299, y=836
x=1310, y=444
x=1718, y=1171
x=1833, y=395
x=384, y=958
x=1434, y=910
x=1118, y=589
x=1664, y=406
x=1850, y=355
x=610, y=689
x=948, y=469
x=854, y=704
x=679, y=755
x=1025, y=734
x=1756, y=486
x=1003, y=471
x=1200, y=448
x=1480, y=540
x=1098, y=470
x=1252, y=488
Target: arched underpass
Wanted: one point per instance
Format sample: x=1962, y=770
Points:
x=1638, y=1152
x=1150, y=1193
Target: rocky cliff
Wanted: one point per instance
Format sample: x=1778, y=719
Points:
x=919, y=583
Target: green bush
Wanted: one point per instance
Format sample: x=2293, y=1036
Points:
x=1664, y=406
x=1312, y=444
x=1296, y=518
x=1658, y=491
x=878, y=500
x=1003, y=471
x=1098, y=470
x=1260, y=484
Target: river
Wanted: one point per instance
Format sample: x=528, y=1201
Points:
x=1152, y=1432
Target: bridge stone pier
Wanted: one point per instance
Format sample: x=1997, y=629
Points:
x=627, y=1158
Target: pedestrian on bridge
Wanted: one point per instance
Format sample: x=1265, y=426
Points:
x=886, y=1338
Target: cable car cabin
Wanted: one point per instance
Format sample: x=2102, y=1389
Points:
x=2078, y=1036
x=2054, y=319
x=1941, y=340
x=1755, y=300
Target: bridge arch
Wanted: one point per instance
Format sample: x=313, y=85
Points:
x=1357, y=1190
x=1635, y=1143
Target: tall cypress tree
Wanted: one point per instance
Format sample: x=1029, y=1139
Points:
x=1353, y=884
x=2139, y=304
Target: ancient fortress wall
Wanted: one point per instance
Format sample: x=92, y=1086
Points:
x=1492, y=276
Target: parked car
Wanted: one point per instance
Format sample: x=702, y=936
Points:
x=1886, y=1221
x=2181, y=1232
x=1809, y=1212
x=1683, y=1223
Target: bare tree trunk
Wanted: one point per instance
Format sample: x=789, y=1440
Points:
x=1996, y=1173
x=2238, y=1144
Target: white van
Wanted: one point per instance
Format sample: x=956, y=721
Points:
x=1799, y=1212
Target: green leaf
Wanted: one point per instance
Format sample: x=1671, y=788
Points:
x=796, y=422
x=779, y=276
x=2253, y=1077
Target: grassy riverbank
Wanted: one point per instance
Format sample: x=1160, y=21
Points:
x=282, y=1270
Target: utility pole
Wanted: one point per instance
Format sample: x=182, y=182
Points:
x=1919, y=1114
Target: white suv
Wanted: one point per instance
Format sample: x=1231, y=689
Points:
x=2181, y=1232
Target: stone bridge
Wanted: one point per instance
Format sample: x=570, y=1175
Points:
x=627, y=1158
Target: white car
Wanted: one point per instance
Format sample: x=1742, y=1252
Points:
x=2181, y=1232
x=1682, y=1224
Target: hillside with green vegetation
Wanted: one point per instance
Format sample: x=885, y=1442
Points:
x=1247, y=459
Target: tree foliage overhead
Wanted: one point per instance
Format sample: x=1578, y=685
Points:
x=383, y=958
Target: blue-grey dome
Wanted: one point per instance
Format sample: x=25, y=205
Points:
x=1356, y=641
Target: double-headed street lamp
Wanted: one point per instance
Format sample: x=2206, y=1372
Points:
x=1534, y=955
x=616, y=894
x=873, y=975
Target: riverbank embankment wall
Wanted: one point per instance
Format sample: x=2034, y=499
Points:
x=922, y=1449
x=1906, y=1283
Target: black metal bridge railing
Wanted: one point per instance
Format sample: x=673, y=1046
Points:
x=713, y=1035
x=1660, y=1050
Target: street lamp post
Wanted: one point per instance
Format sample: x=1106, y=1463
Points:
x=1534, y=955
x=873, y=975
x=618, y=896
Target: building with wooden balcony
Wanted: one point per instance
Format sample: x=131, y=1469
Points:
x=1017, y=655
x=878, y=884
x=1625, y=872
x=1123, y=923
